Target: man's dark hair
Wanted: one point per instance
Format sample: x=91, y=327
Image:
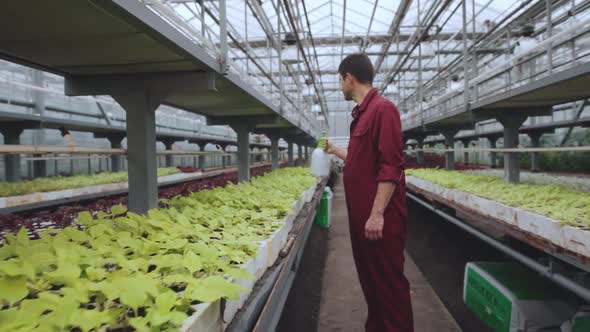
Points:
x=359, y=66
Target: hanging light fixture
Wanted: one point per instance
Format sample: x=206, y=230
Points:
x=527, y=30
x=364, y=44
x=290, y=53
x=391, y=89
x=427, y=51
x=454, y=83
x=290, y=39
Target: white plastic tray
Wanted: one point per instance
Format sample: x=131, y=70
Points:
x=209, y=317
x=49, y=196
x=572, y=239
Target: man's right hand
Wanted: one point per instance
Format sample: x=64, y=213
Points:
x=329, y=147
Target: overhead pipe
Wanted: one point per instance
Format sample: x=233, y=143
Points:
x=230, y=35
x=264, y=22
x=315, y=53
x=453, y=63
x=364, y=46
x=482, y=38
x=281, y=83
x=410, y=47
x=223, y=37
x=305, y=59
x=393, y=31
x=321, y=91
x=278, y=11
x=412, y=43
x=277, y=8
x=579, y=28
x=438, y=32
x=343, y=30
x=300, y=16
x=465, y=53
x=239, y=45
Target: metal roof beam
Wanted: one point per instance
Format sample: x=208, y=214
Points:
x=291, y=20
x=374, y=39
x=437, y=9
x=393, y=31
x=365, y=41
x=264, y=56
x=334, y=71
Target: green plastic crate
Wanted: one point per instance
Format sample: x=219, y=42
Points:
x=322, y=216
x=508, y=298
x=581, y=324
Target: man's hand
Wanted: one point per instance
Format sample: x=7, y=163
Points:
x=330, y=148
x=374, y=227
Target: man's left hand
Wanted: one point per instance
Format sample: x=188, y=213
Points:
x=374, y=227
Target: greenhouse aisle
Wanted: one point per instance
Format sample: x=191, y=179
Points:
x=342, y=305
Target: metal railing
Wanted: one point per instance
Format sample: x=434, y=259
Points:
x=502, y=74
x=19, y=95
x=291, y=109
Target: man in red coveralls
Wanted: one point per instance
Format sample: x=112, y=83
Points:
x=376, y=198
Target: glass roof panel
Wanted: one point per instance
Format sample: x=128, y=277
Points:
x=388, y=31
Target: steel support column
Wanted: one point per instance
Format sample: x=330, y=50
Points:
x=493, y=155
x=243, y=132
x=168, y=144
x=290, y=154
x=140, y=96
x=449, y=135
x=511, y=159
x=39, y=166
x=12, y=169
x=201, y=162
x=223, y=158
x=535, y=143
x=465, y=154
x=274, y=151
x=116, y=162
x=141, y=149
x=420, y=153
x=223, y=36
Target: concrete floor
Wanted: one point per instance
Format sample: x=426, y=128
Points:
x=342, y=305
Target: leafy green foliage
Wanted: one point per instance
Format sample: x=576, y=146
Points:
x=562, y=161
x=68, y=182
x=121, y=269
x=575, y=182
x=563, y=203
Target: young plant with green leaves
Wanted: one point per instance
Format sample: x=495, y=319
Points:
x=68, y=182
x=559, y=202
x=121, y=269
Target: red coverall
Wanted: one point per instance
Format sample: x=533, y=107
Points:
x=375, y=155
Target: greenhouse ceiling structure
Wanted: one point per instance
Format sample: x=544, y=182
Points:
x=299, y=44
